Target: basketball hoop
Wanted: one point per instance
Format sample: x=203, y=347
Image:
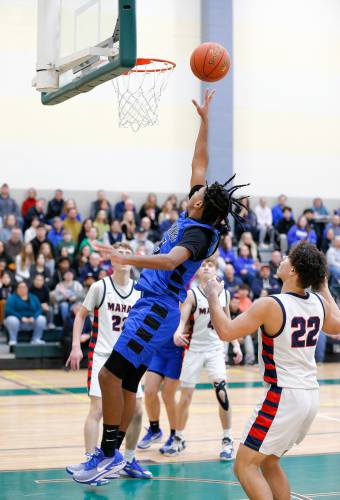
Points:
x=139, y=91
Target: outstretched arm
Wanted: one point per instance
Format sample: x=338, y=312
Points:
x=201, y=157
x=331, y=325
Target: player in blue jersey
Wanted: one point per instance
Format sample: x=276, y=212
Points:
x=154, y=318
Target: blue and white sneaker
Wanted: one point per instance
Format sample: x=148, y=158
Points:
x=134, y=469
x=149, y=438
x=178, y=445
x=167, y=444
x=99, y=468
x=227, y=452
x=71, y=469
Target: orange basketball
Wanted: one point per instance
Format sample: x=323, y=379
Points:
x=210, y=62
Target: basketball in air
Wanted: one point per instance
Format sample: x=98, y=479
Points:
x=210, y=62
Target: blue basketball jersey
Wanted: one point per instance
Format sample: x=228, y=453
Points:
x=174, y=282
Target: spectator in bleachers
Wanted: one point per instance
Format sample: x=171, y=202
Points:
x=167, y=223
x=129, y=206
x=128, y=225
x=231, y=282
x=40, y=239
x=249, y=222
x=333, y=258
x=225, y=250
x=23, y=312
x=319, y=207
x=283, y=226
x=55, y=234
x=101, y=224
x=23, y=263
x=91, y=240
x=274, y=263
x=68, y=292
x=245, y=265
x=183, y=206
x=247, y=239
x=150, y=203
x=140, y=244
x=7, y=204
x=41, y=291
x=9, y=222
x=277, y=210
x=82, y=259
x=151, y=214
x=72, y=224
x=243, y=295
x=164, y=214
x=151, y=234
x=46, y=250
x=40, y=268
x=31, y=232
x=264, y=281
x=264, y=221
x=301, y=232
x=29, y=202
x=101, y=203
x=37, y=211
x=85, y=228
x=239, y=303
x=63, y=265
x=89, y=279
x=331, y=230
x=68, y=205
x=5, y=257
x=14, y=245
x=55, y=205
x=114, y=235
x=120, y=207
x=92, y=267
x=173, y=200
x=6, y=288
x=68, y=244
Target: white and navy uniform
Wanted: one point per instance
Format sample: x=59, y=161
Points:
x=206, y=350
x=287, y=363
x=111, y=305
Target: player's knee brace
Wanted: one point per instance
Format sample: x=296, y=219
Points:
x=221, y=394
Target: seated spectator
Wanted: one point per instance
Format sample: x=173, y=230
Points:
x=174, y=201
x=140, y=244
x=6, y=288
x=169, y=221
x=277, y=210
x=23, y=263
x=91, y=240
x=333, y=258
x=81, y=259
x=55, y=234
x=114, y=235
x=23, y=312
x=66, y=340
x=128, y=225
x=164, y=214
x=301, y=232
x=45, y=249
x=151, y=202
x=89, y=279
x=68, y=292
x=151, y=234
x=275, y=261
x=231, y=282
x=93, y=267
x=101, y=224
x=9, y=222
x=5, y=257
x=68, y=244
x=129, y=206
x=31, y=232
x=183, y=206
x=29, y=202
x=319, y=208
x=63, y=265
x=72, y=224
x=120, y=207
x=40, y=268
x=243, y=295
x=37, y=211
x=265, y=282
x=244, y=265
x=247, y=240
x=236, y=309
x=249, y=221
x=14, y=245
x=282, y=228
x=151, y=214
x=55, y=206
x=41, y=291
x=85, y=228
x=225, y=250
x=68, y=205
x=331, y=230
x=264, y=221
x=101, y=203
x=7, y=204
x=40, y=239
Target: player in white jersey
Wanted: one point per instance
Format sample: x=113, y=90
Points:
x=110, y=301
x=206, y=350
x=290, y=323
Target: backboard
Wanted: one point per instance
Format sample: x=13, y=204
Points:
x=82, y=44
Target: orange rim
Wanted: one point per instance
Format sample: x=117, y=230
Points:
x=145, y=61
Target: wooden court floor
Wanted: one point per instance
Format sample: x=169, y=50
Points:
x=41, y=420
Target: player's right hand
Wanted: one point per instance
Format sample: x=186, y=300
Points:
x=74, y=359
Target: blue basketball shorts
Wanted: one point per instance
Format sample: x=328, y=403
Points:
x=167, y=363
x=151, y=323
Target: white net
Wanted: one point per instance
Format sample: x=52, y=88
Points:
x=139, y=92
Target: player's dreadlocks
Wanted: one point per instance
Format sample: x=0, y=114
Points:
x=219, y=203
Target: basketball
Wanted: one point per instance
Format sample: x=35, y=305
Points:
x=210, y=62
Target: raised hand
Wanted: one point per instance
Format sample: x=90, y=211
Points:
x=107, y=252
x=213, y=287
x=203, y=109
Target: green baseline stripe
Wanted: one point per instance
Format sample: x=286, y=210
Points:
x=82, y=390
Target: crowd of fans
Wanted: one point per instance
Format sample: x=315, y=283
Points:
x=48, y=259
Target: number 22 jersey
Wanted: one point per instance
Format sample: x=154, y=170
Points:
x=111, y=305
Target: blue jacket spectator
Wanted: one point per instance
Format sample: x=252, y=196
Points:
x=55, y=235
x=265, y=282
x=225, y=250
x=300, y=231
x=245, y=265
x=231, y=282
x=92, y=267
x=120, y=207
x=319, y=207
x=277, y=210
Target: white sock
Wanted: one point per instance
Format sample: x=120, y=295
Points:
x=227, y=433
x=179, y=434
x=129, y=455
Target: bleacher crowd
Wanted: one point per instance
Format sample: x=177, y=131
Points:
x=48, y=260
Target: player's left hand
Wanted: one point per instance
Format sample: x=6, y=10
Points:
x=181, y=339
x=204, y=108
x=213, y=287
x=107, y=252
x=237, y=355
